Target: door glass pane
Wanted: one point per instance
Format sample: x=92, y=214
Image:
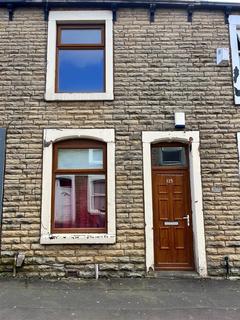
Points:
x=80, y=158
x=81, y=70
x=168, y=156
x=80, y=201
x=81, y=36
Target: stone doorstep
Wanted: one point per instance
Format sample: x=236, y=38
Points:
x=174, y=274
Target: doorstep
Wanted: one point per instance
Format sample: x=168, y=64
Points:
x=174, y=274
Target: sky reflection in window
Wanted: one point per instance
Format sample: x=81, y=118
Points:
x=81, y=71
x=81, y=36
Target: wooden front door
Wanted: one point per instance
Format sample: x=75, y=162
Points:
x=173, y=247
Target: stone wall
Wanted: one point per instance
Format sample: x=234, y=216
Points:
x=159, y=68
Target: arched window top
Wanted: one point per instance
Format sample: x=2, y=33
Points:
x=79, y=154
x=80, y=143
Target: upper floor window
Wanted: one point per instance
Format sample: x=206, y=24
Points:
x=80, y=57
x=234, y=29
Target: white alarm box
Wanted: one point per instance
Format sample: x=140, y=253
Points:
x=222, y=56
x=179, y=120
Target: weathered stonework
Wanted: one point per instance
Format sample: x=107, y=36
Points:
x=159, y=68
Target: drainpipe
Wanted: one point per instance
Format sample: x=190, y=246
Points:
x=227, y=266
x=2, y=164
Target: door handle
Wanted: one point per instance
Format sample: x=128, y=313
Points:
x=187, y=217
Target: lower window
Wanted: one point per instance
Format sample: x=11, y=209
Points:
x=79, y=188
x=82, y=208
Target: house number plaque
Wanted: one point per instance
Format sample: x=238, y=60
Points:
x=169, y=181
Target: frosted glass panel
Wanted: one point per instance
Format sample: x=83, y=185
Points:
x=80, y=159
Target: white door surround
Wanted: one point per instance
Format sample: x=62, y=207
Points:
x=192, y=137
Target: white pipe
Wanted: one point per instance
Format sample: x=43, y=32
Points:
x=96, y=271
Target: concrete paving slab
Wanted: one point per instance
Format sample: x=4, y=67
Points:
x=137, y=299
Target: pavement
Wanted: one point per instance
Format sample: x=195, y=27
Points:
x=137, y=299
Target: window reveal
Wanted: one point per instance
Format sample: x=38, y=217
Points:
x=80, y=59
x=79, y=186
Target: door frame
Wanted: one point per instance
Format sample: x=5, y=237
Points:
x=175, y=170
x=187, y=137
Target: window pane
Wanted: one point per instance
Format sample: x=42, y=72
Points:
x=81, y=70
x=80, y=201
x=81, y=36
x=96, y=155
x=80, y=158
x=167, y=156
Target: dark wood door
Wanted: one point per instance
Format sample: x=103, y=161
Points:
x=172, y=220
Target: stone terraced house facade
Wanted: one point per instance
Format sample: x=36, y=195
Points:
x=120, y=137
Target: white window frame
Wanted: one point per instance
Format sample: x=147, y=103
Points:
x=51, y=136
x=234, y=31
x=91, y=194
x=79, y=17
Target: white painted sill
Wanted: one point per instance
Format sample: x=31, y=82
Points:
x=49, y=96
x=76, y=238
